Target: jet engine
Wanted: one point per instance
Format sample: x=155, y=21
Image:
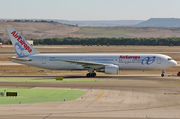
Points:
x=110, y=69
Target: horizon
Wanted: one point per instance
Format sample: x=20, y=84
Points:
x=86, y=20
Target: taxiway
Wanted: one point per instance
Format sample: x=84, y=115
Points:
x=121, y=97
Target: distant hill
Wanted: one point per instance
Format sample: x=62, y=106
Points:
x=102, y=23
x=37, y=30
x=160, y=22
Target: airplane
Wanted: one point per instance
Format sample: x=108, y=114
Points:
x=107, y=63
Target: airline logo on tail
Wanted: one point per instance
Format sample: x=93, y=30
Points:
x=20, y=44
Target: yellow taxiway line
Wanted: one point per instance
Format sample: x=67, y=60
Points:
x=177, y=82
x=99, y=96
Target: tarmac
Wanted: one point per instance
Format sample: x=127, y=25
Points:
x=116, y=97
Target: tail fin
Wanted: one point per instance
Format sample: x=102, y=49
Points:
x=21, y=46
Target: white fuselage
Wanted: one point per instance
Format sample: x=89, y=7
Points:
x=124, y=61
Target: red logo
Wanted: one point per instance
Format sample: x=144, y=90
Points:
x=129, y=57
x=19, y=39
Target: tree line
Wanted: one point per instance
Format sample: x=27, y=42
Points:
x=105, y=41
x=27, y=20
x=5, y=42
x=109, y=41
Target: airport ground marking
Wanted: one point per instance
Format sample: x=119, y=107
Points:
x=172, y=93
x=177, y=82
x=102, y=92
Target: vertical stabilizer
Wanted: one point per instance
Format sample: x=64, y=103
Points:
x=21, y=46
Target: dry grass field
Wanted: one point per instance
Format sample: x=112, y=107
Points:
x=128, y=32
x=37, y=30
x=22, y=70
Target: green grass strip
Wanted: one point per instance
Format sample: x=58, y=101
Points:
x=44, y=80
x=39, y=95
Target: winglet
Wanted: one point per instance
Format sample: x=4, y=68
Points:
x=21, y=46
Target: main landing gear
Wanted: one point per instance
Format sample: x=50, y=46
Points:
x=91, y=73
x=163, y=71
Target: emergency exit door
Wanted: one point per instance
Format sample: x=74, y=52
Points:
x=158, y=60
x=43, y=60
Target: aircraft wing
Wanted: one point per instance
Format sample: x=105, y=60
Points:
x=87, y=64
x=19, y=59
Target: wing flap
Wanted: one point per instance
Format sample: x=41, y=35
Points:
x=87, y=64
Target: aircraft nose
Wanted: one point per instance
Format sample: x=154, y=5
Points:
x=173, y=63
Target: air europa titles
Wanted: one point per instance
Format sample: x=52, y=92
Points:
x=129, y=57
x=19, y=39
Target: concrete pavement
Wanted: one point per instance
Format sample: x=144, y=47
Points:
x=123, y=97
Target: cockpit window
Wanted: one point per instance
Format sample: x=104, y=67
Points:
x=169, y=59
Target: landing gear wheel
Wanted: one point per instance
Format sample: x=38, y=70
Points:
x=88, y=75
x=93, y=74
x=163, y=71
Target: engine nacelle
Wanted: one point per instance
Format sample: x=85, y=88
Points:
x=110, y=69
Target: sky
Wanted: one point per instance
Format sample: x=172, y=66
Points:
x=89, y=9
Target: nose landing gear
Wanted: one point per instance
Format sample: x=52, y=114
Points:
x=163, y=71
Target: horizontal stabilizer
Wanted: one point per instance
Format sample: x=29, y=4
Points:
x=20, y=59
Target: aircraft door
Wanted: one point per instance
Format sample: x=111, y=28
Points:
x=43, y=60
x=158, y=60
x=81, y=59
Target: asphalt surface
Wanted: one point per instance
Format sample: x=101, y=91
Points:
x=122, y=97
